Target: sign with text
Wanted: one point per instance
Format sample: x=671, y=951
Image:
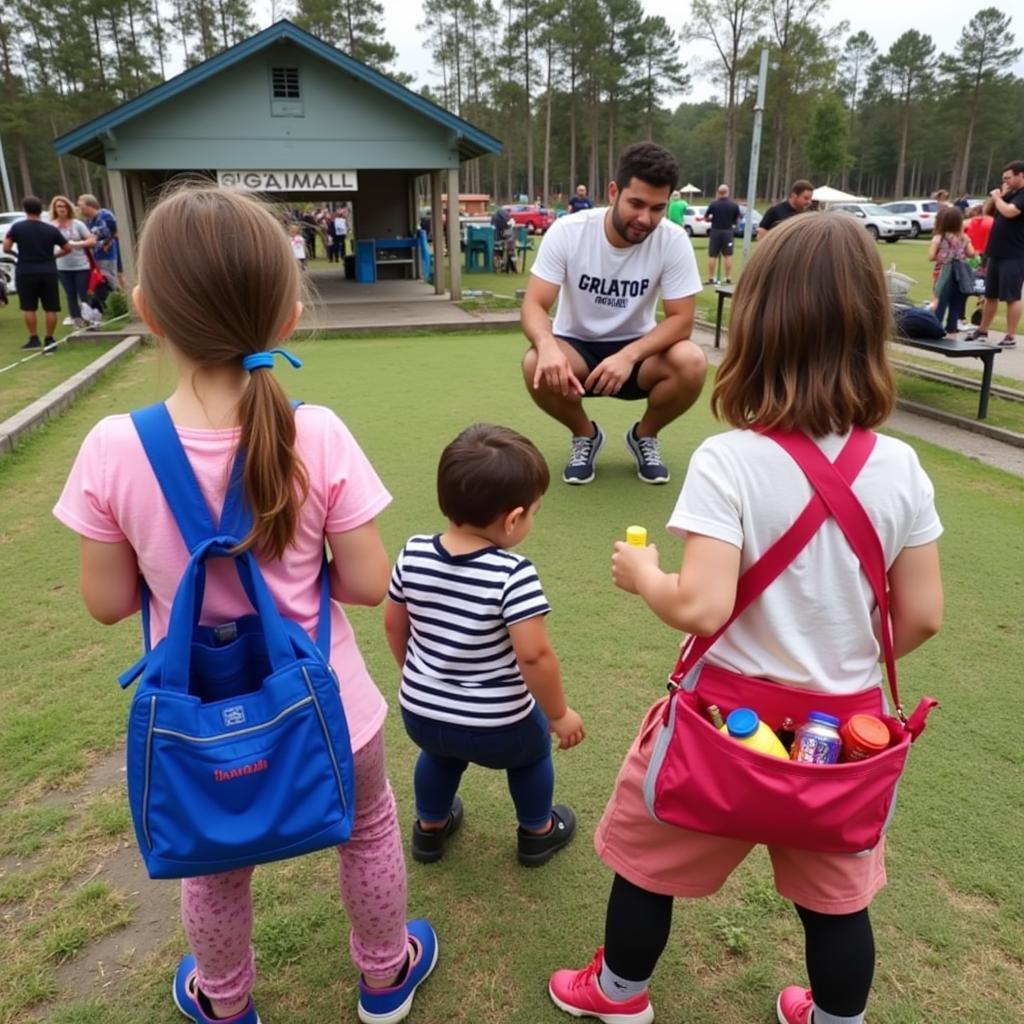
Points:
x=289, y=181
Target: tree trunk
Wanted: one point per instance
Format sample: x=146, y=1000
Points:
x=573, y=180
x=26, y=175
x=901, y=160
x=960, y=184
x=547, y=131
x=529, y=102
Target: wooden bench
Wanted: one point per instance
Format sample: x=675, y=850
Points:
x=954, y=349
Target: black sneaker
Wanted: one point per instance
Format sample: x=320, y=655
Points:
x=580, y=467
x=49, y=346
x=33, y=342
x=428, y=847
x=647, y=452
x=534, y=850
x=1007, y=343
x=976, y=335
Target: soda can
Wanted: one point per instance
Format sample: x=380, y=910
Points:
x=817, y=740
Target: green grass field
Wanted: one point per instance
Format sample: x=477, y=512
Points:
x=950, y=926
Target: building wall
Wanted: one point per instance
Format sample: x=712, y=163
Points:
x=225, y=123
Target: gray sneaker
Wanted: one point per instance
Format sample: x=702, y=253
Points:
x=647, y=452
x=580, y=467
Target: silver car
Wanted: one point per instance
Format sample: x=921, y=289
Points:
x=920, y=212
x=694, y=223
x=880, y=222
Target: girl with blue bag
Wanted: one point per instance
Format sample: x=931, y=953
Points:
x=199, y=511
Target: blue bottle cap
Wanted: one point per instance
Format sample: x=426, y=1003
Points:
x=824, y=719
x=742, y=722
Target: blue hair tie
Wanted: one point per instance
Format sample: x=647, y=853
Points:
x=265, y=360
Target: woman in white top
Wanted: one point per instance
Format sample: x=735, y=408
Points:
x=73, y=269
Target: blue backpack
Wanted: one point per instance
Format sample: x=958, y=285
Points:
x=238, y=748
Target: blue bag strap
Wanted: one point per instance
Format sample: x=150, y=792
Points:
x=181, y=490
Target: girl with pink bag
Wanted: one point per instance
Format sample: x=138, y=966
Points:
x=806, y=363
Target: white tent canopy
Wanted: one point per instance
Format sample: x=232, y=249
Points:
x=690, y=189
x=827, y=194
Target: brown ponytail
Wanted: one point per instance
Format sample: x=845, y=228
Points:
x=218, y=276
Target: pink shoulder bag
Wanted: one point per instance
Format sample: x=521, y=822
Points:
x=703, y=780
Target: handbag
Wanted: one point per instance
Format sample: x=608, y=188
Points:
x=238, y=747
x=701, y=779
x=963, y=277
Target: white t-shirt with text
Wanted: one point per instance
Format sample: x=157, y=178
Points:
x=815, y=627
x=607, y=293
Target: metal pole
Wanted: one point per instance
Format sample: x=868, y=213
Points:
x=8, y=196
x=755, y=154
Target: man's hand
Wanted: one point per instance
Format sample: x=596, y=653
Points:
x=610, y=374
x=996, y=193
x=555, y=372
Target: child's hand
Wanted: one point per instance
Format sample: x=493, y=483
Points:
x=569, y=729
x=629, y=561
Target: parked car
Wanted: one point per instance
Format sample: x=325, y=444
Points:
x=7, y=218
x=694, y=223
x=920, y=212
x=880, y=222
x=537, y=219
x=7, y=265
x=755, y=222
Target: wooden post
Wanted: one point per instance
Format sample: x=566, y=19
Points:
x=454, y=235
x=436, y=229
x=125, y=223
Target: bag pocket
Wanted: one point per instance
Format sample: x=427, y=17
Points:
x=701, y=779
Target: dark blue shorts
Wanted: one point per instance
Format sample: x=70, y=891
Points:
x=594, y=351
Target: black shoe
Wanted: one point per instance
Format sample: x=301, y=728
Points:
x=33, y=342
x=536, y=850
x=49, y=345
x=428, y=847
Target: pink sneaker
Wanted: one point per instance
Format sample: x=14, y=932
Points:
x=578, y=993
x=795, y=1005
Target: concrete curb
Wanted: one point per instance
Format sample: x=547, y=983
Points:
x=12, y=430
x=974, y=426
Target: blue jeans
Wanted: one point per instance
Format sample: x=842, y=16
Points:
x=523, y=750
x=76, y=288
x=953, y=300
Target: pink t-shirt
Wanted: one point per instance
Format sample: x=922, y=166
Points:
x=112, y=495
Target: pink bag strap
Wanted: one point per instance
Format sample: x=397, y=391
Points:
x=833, y=496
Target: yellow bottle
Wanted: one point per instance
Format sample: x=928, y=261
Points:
x=745, y=727
x=637, y=536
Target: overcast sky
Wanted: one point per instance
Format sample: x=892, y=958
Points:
x=943, y=20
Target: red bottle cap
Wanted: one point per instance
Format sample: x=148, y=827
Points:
x=867, y=732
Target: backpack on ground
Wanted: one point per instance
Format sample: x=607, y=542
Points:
x=238, y=747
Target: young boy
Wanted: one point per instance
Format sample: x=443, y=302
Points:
x=465, y=621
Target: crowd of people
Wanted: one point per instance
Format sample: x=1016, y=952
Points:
x=77, y=252
x=478, y=679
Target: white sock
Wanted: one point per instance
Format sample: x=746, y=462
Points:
x=620, y=989
x=819, y=1016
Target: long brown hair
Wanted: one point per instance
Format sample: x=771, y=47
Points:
x=949, y=221
x=808, y=332
x=218, y=276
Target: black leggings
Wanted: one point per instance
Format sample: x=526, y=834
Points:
x=839, y=948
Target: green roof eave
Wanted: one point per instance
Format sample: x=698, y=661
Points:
x=86, y=140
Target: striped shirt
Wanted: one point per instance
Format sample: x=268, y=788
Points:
x=460, y=666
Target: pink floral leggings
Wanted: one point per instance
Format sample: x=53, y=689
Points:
x=216, y=910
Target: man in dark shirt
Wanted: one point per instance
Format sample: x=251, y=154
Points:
x=1004, y=273
x=723, y=214
x=35, y=276
x=799, y=199
x=580, y=201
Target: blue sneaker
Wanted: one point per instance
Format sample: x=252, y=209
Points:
x=194, y=1005
x=647, y=452
x=580, y=467
x=389, y=1005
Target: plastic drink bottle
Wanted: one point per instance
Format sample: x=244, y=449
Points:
x=817, y=740
x=745, y=727
x=864, y=736
x=637, y=536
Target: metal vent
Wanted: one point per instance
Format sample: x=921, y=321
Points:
x=285, y=83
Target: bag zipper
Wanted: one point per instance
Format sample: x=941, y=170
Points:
x=146, y=777
x=238, y=732
x=327, y=737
